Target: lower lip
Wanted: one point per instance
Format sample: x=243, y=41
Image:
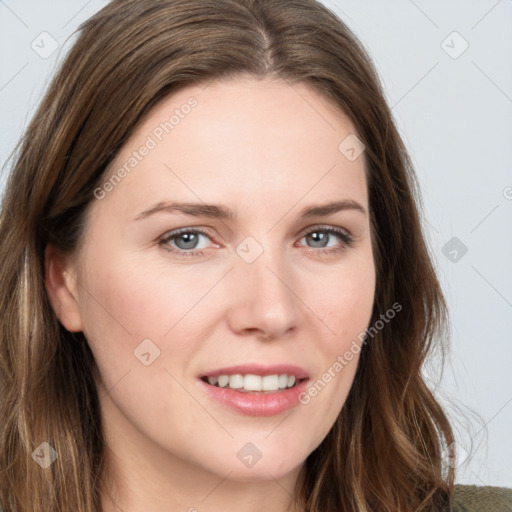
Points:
x=256, y=404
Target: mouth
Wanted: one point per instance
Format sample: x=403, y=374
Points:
x=253, y=383
x=253, y=389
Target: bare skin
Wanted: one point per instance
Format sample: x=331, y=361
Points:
x=265, y=150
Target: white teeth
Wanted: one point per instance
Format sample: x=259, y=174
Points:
x=236, y=381
x=223, y=381
x=252, y=382
x=270, y=383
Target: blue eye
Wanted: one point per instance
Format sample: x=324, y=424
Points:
x=326, y=233
x=184, y=241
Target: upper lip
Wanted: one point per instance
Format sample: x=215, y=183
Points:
x=259, y=369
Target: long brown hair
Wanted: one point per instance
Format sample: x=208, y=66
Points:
x=384, y=452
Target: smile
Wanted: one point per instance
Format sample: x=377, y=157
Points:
x=253, y=383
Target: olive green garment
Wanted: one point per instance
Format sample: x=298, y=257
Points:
x=472, y=498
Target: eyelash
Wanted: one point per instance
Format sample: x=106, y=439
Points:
x=346, y=238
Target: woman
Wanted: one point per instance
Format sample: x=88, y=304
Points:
x=216, y=291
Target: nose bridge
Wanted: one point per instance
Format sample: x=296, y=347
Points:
x=263, y=286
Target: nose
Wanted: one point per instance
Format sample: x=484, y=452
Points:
x=262, y=297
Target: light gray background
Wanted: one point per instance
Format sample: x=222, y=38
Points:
x=454, y=111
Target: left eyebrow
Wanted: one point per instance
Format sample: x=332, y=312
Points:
x=330, y=208
x=221, y=212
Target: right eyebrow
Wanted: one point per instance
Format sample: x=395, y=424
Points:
x=194, y=209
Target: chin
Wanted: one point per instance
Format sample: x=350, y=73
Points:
x=261, y=472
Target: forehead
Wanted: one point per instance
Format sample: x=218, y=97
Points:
x=240, y=139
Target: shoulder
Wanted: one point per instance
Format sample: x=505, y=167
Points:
x=473, y=498
x=469, y=498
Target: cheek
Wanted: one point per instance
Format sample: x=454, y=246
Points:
x=142, y=297
x=344, y=302
x=128, y=299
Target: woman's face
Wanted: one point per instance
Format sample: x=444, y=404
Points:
x=253, y=286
